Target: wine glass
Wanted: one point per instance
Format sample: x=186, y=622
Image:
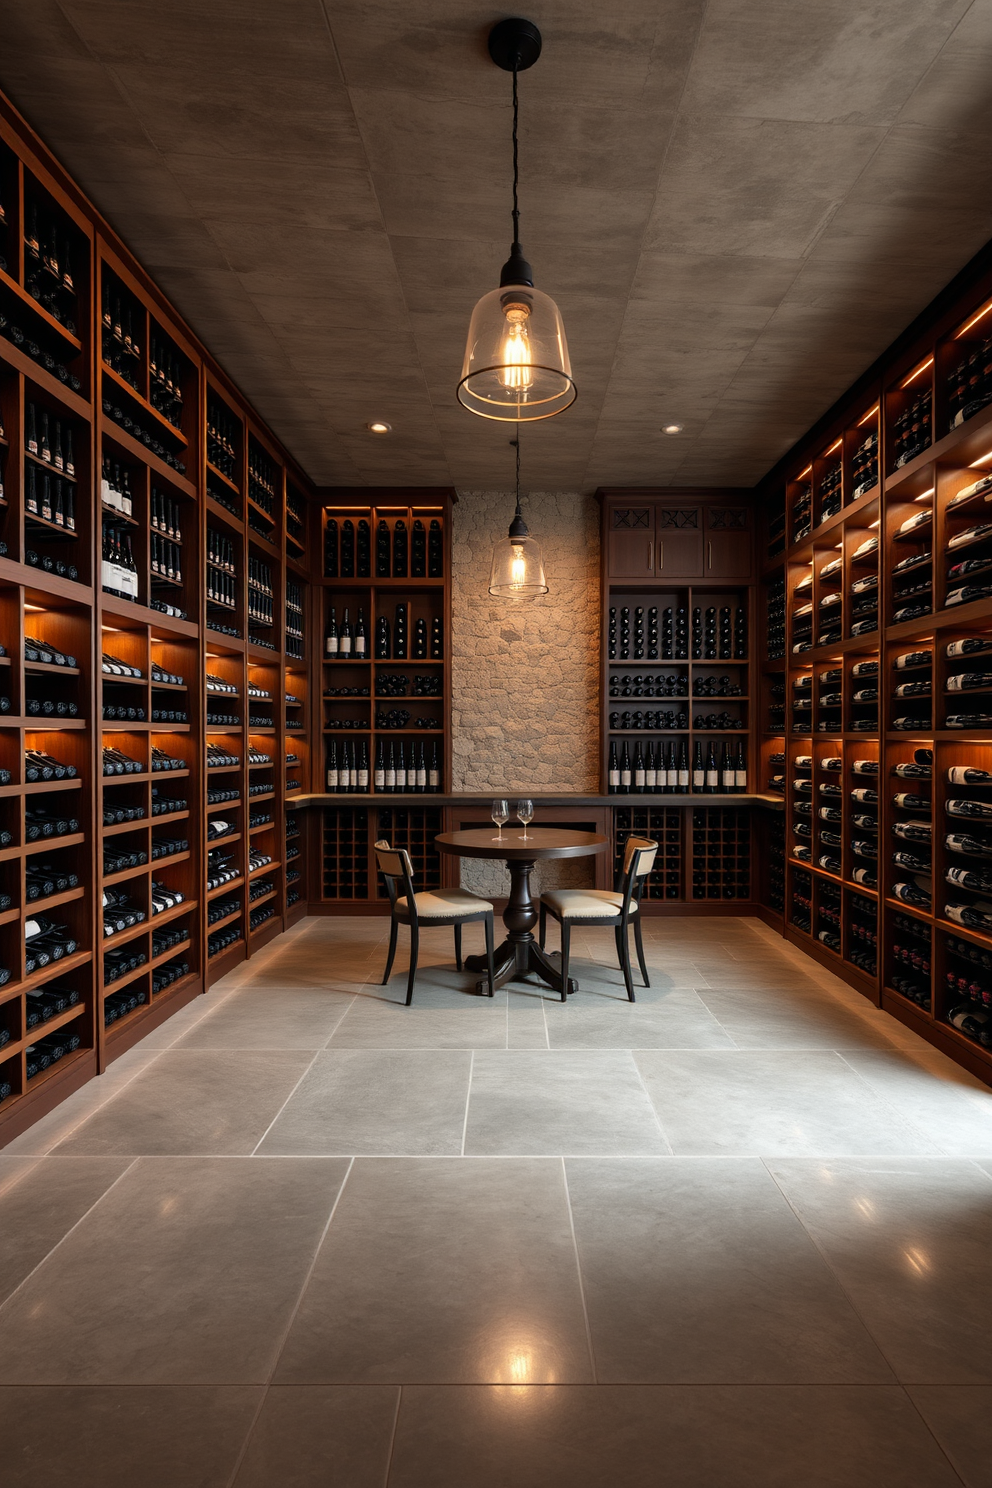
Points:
x=525, y=814
x=500, y=814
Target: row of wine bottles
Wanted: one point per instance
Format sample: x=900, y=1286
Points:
x=397, y=769
x=49, y=441
x=50, y=497
x=416, y=553
x=663, y=769
x=710, y=633
x=391, y=643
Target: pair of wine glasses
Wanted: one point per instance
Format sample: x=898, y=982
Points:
x=524, y=812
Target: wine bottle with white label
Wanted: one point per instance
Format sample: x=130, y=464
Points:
x=970, y=647
x=968, y=775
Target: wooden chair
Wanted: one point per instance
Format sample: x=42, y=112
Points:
x=617, y=907
x=455, y=907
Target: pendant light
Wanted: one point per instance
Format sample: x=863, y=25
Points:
x=516, y=365
x=518, y=568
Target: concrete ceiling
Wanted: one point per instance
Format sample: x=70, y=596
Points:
x=736, y=203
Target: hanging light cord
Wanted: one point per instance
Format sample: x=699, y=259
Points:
x=517, y=443
x=516, y=209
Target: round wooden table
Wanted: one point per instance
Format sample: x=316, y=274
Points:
x=519, y=954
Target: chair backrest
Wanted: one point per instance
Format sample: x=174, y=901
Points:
x=396, y=868
x=638, y=860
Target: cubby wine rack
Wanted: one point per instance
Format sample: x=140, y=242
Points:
x=121, y=442
x=884, y=589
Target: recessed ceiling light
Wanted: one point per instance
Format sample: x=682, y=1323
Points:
x=379, y=428
x=671, y=428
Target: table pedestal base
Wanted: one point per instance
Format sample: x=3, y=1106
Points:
x=515, y=960
x=520, y=955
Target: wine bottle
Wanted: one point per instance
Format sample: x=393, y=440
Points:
x=638, y=770
x=380, y=766
x=401, y=780
x=959, y=806
x=434, y=773
x=421, y=769
x=728, y=775
x=964, y=842
x=968, y=775
x=360, y=635
x=613, y=772
x=399, y=549
x=683, y=768
x=650, y=770
x=435, y=550
x=671, y=769
x=344, y=641
x=331, y=642
x=909, y=770
x=390, y=784
x=698, y=769
x=712, y=772
x=625, y=771
x=347, y=549
x=970, y=647
x=382, y=550
x=976, y=916
x=418, y=550
x=333, y=773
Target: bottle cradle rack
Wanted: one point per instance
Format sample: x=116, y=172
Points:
x=877, y=622
x=121, y=444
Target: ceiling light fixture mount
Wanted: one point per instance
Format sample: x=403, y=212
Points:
x=518, y=567
x=516, y=366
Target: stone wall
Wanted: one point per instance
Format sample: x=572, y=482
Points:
x=525, y=677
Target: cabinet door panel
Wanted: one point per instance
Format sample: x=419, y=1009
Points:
x=630, y=554
x=679, y=542
x=728, y=543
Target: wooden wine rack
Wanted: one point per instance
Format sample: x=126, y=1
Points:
x=97, y=385
x=909, y=505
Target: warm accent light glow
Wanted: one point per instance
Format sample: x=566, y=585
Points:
x=379, y=428
x=918, y=373
x=973, y=321
x=671, y=428
x=835, y=446
x=870, y=414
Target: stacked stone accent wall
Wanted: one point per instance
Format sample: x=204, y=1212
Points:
x=525, y=677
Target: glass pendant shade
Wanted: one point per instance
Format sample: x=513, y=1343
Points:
x=516, y=365
x=518, y=569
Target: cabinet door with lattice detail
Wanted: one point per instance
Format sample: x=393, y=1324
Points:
x=630, y=552
x=728, y=542
x=678, y=542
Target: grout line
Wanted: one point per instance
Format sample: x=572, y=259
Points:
x=821, y=1252
x=70, y=1231
x=286, y=1102
x=578, y=1273
x=906, y=1390
x=647, y=1097
x=278, y=1350
x=468, y=1097
x=392, y=1436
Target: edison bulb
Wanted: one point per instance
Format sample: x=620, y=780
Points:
x=516, y=371
x=518, y=567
